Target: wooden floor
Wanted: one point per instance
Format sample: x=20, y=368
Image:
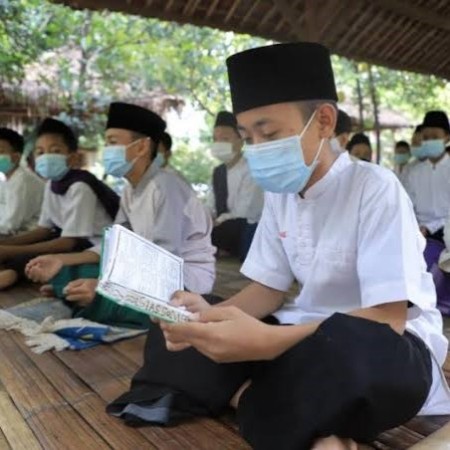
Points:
x=57, y=400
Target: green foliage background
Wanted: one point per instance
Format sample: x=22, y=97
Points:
x=145, y=54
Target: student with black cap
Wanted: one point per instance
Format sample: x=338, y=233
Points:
x=155, y=204
x=429, y=181
x=359, y=147
x=22, y=191
x=235, y=200
x=341, y=132
x=355, y=359
x=76, y=206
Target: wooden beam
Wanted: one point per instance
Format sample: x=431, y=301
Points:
x=169, y=5
x=232, y=10
x=421, y=14
x=290, y=15
x=211, y=8
x=267, y=16
x=250, y=11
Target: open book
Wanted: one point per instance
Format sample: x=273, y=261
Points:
x=140, y=275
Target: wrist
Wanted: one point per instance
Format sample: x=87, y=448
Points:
x=280, y=338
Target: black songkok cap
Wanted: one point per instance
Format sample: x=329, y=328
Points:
x=436, y=119
x=15, y=139
x=53, y=126
x=343, y=123
x=135, y=118
x=280, y=73
x=226, y=119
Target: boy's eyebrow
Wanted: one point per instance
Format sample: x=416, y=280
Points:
x=258, y=124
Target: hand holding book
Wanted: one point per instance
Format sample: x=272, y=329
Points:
x=140, y=275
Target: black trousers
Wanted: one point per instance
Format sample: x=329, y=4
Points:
x=19, y=262
x=234, y=236
x=353, y=378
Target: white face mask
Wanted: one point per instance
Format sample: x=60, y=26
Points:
x=223, y=151
x=335, y=146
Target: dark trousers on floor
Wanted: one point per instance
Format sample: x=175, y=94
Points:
x=234, y=236
x=353, y=378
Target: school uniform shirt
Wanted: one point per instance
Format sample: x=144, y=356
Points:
x=245, y=198
x=20, y=201
x=164, y=209
x=352, y=242
x=78, y=213
x=429, y=188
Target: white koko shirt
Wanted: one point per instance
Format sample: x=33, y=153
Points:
x=78, y=213
x=164, y=209
x=20, y=201
x=352, y=242
x=428, y=185
x=245, y=198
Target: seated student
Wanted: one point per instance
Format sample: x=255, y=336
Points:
x=354, y=360
x=155, y=204
x=359, y=147
x=402, y=156
x=341, y=132
x=418, y=154
x=76, y=207
x=164, y=152
x=22, y=191
x=429, y=181
x=235, y=200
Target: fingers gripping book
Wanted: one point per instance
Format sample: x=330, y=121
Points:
x=140, y=275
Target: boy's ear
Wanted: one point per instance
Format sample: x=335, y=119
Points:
x=15, y=157
x=145, y=146
x=73, y=160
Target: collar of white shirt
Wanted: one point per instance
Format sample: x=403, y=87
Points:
x=318, y=188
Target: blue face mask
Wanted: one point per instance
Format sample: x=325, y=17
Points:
x=433, y=148
x=401, y=158
x=115, y=160
x=418, y=152
x=52, y=166
x=279, y=166
x=6, y=164
x=159, y=160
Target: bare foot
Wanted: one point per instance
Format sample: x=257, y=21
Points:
x=234, y=402
x=47, y=290
x=8, y=277
x=335, y=443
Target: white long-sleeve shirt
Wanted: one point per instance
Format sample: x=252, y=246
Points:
x=164, y=209
x=428, y=186
x=245, y=198
x=20, y=201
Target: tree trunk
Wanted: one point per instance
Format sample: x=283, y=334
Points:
x=360, y=98
x=374, y=98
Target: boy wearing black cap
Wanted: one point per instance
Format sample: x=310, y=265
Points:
x=355, y=359
x=22, y=191
x=341, y=132
x=235, y=200
x=76, y=207
x=429, y=181
x=156, y=204
x=359, y=147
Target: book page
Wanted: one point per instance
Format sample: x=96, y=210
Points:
x=139, y=265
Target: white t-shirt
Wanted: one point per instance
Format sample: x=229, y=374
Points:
x=164, y=209
x=20, y=201
x=245, y=198
x=352, y=242
x=78, y=213
x=428, y=186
